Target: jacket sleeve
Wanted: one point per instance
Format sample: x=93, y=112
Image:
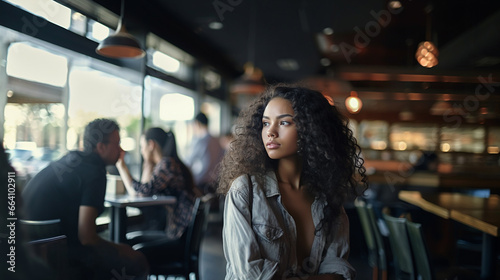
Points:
x=337, y=250
x=241, y=249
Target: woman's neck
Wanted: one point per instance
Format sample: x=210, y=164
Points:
x=289, y=171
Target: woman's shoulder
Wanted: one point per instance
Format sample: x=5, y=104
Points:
x=266, y=183
x=240, y=184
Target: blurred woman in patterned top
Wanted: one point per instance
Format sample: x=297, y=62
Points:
x=163, y=174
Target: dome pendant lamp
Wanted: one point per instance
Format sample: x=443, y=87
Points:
x=120, y=44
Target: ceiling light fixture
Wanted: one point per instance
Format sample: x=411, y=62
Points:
x=427, y=52
x=353, y=103
x=215, y=25
x=120, y=44
x=252, y=81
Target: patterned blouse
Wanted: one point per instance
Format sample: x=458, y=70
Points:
x=167, y=179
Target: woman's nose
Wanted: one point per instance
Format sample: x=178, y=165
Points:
x=271, y=131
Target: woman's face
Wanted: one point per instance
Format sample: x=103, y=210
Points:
x=279, y=133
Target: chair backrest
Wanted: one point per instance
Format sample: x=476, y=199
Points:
x=367, y=231
x=382, y=256
x=45, y=240
x=420, y=253
x=400, y=245
x=196, y=228
x=34, y=230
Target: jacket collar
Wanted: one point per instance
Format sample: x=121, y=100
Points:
x=271, y=184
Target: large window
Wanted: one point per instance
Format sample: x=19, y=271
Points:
x=50, y=103
x=170, y=107
x=36, y=64
x=98, y=94
x=34, y=113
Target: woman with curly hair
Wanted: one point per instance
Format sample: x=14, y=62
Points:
x=286, y=175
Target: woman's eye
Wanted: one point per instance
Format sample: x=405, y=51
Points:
x=284, y=123
x=265, y=123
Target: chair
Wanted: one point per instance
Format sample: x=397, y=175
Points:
x=400, y=245
x=376, y=251
x=424, y=268
x=186, y=249
x=381, y=246
x=45, y=241
x=419, y=249
x=33, y=229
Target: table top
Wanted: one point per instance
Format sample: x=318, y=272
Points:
x=442, y=203
x=477, y=212
x=487, y=221
x=139, y=201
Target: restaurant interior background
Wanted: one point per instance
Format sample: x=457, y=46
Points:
x=199, y=56
x=53, y=82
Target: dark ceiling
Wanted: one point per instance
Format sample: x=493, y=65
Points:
x=370, y=45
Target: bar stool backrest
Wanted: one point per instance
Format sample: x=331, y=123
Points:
x=382, y=255
x=368, y=232
x=400, y=245
x=419, y=248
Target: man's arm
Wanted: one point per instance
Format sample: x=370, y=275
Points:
x=87, y=229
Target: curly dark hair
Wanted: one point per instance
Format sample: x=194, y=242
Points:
x=329, y=152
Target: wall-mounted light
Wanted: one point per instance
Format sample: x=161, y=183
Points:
x=120, y=44
x=353, y=103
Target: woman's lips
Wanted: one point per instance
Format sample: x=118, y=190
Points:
x=272, y=145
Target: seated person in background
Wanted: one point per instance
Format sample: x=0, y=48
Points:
x=205, y=154
x=163, y=174
x=72, y=189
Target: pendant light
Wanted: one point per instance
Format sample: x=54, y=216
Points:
x=252, y=81
x=427, y=52
x=120, y=44
x=353, y=104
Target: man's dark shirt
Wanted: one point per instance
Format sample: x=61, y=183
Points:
x=58, y=191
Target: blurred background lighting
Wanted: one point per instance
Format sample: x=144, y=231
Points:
x=353, y=103
x=493, y=150
x=445, y=147
x=128, y=144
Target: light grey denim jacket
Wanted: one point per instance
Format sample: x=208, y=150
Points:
x=265, y=248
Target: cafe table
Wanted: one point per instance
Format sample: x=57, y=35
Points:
x=480, y=213
x=118, y=224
